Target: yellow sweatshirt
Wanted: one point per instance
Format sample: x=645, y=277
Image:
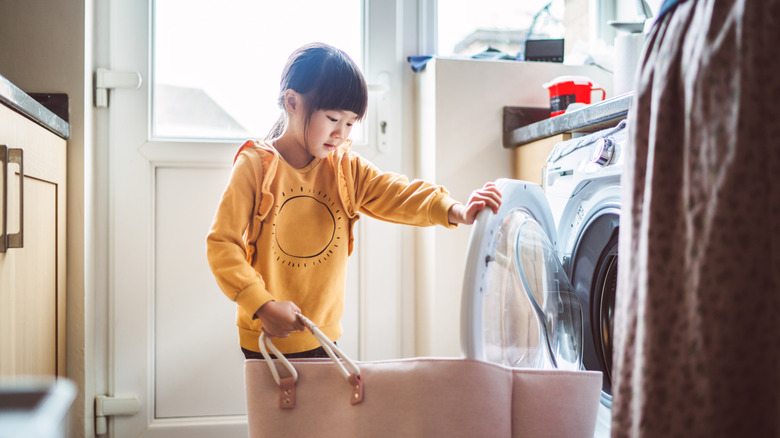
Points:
x=282, y=233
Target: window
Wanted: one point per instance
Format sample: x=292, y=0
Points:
x=468, y=28
x=216, y=66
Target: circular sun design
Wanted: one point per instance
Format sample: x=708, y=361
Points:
x=307, y=228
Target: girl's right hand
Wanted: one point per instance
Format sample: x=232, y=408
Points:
x=280, y=318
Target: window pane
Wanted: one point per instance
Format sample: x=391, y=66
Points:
x=466, y=27
x=217, y=65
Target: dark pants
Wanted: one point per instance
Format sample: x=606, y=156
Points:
x=317, y=352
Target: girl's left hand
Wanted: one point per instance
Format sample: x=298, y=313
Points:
x=486, y=197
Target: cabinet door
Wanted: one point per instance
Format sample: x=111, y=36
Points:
x=32, y=278
x=532, y=157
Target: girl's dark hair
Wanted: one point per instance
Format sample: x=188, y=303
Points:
x=327, y=78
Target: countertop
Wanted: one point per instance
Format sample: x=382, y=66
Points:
x=23, y=103
x=526, y=125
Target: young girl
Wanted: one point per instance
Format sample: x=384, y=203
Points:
x=282, y=233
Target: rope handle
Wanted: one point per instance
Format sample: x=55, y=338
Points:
x=347, y=366
x=265, y=341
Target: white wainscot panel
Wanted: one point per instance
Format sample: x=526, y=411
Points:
x=198, y=364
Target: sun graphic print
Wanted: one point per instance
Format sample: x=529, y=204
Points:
x=308, y=228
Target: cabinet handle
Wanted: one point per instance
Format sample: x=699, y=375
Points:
x=15, y=240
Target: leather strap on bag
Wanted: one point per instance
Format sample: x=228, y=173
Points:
x=357, y=388
x=287, y=394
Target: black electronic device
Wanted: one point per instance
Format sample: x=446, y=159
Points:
x=544, y=50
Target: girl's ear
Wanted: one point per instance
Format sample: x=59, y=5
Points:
x=292, y=101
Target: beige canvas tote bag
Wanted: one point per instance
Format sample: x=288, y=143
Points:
x=419, y=397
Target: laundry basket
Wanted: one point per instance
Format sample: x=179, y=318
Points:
x=420, y=397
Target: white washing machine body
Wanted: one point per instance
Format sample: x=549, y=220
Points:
x=541, y=273
x=582, y=183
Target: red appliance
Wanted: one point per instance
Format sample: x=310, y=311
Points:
x=566, y=90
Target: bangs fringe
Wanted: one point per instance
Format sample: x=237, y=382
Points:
x=340, y=86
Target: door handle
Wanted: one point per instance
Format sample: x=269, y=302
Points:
x=8, y=156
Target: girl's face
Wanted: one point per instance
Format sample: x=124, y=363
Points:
x=328, y=129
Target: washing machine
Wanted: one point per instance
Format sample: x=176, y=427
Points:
x=541, y=275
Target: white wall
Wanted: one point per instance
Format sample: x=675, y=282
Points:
x=460, y=147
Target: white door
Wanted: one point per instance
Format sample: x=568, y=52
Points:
x=172, y=342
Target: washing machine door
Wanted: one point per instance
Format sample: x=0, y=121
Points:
x=519, y=308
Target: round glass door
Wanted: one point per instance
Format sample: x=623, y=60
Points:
x=532, y=317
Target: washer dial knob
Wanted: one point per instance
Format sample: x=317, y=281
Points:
x=603, y=151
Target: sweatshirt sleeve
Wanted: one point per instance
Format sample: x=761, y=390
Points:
x=225, y=247
x=392, y=197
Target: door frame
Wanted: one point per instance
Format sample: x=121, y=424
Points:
x=110, y=242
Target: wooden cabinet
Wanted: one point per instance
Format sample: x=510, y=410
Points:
x=32, y=277
x=531, y=158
